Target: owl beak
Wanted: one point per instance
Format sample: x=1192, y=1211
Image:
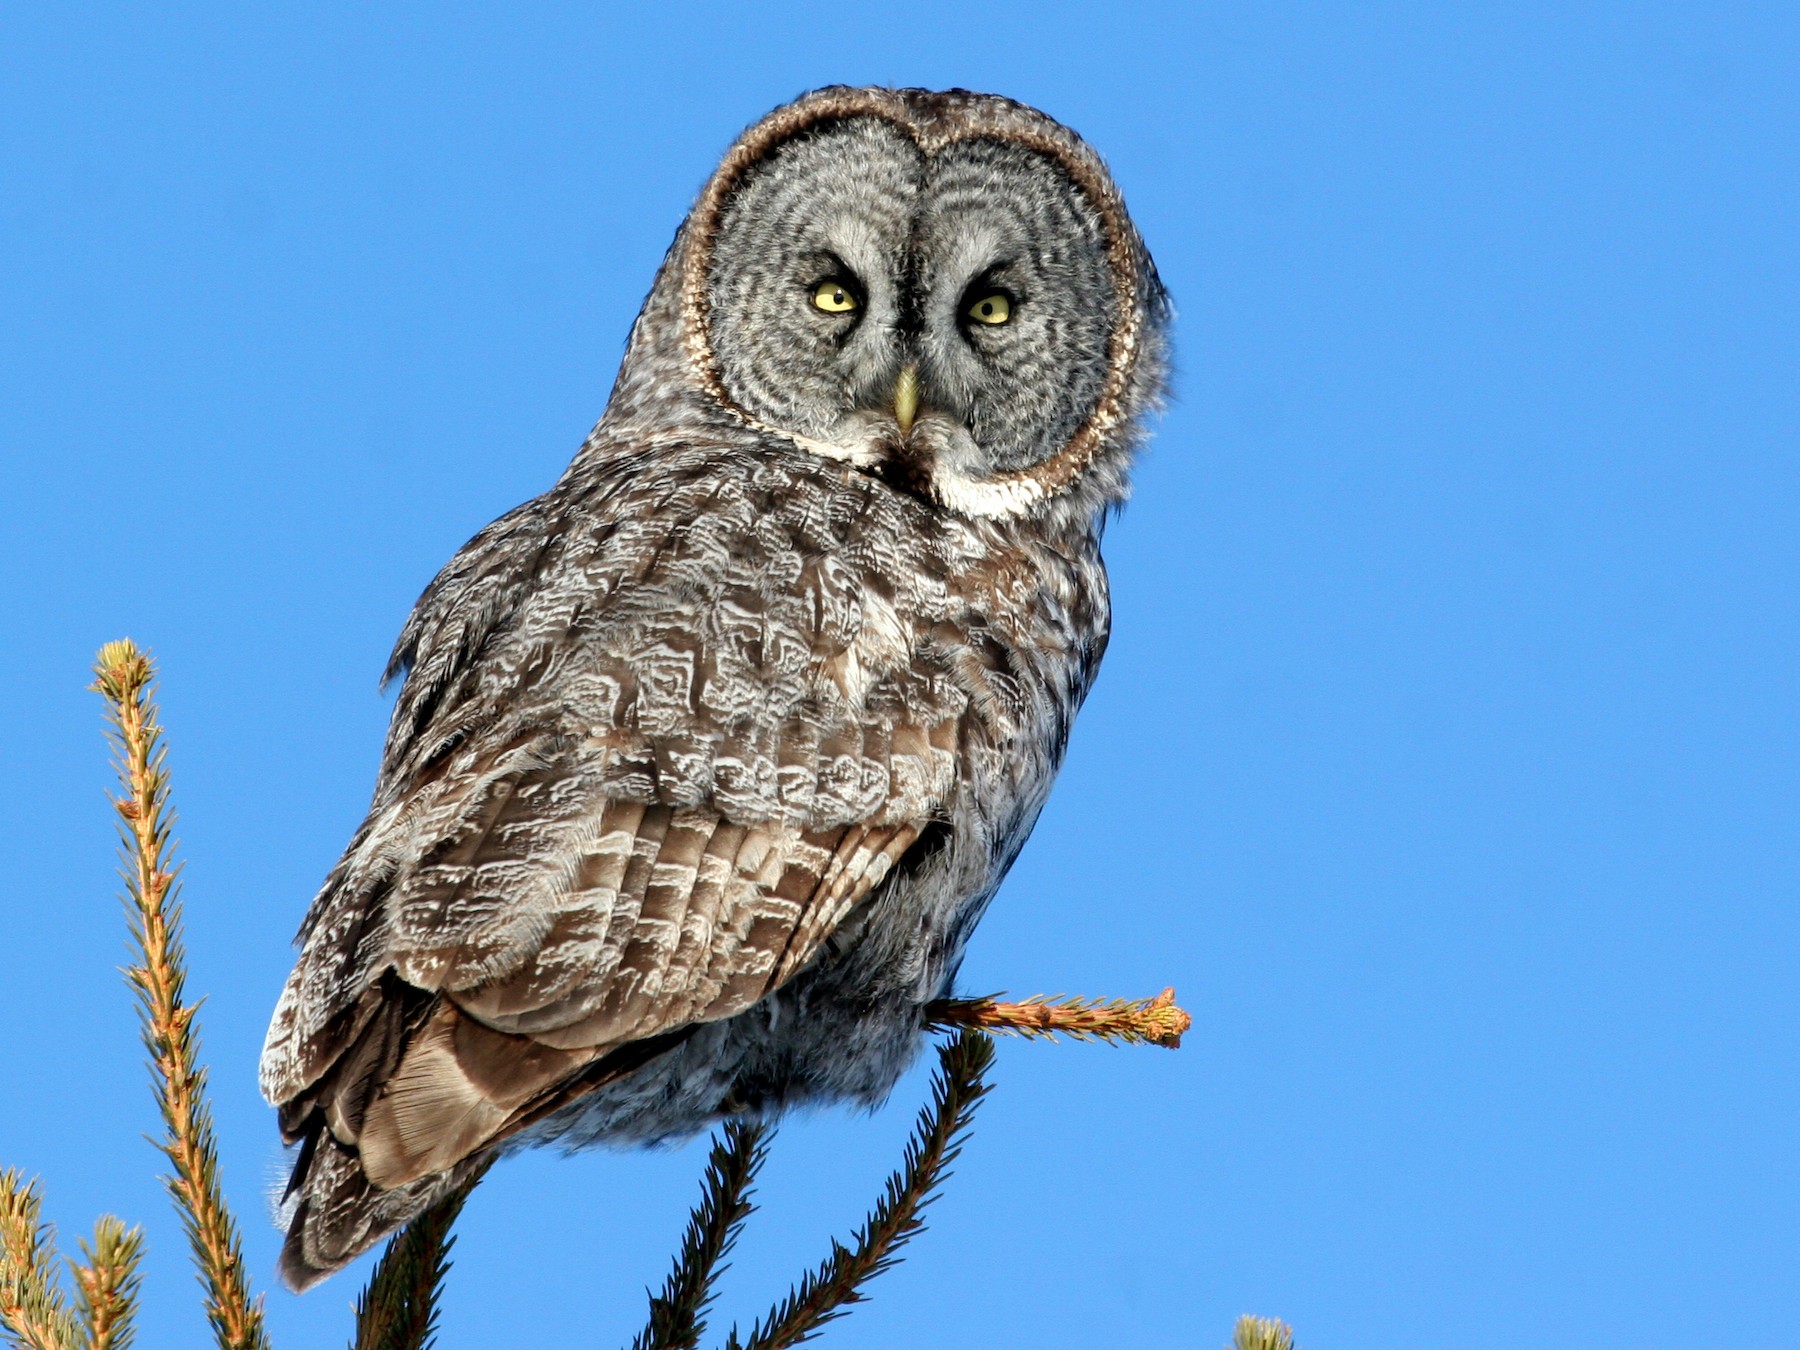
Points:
x=906, y=398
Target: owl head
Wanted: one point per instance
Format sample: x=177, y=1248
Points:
x=940, y=289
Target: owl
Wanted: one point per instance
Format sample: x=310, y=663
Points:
x=707, y=761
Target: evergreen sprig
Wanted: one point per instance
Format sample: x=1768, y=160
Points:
x=399, y=1308
x=1139, y=1021
x=125, y=677
x=33, y=1309
x=678, y=1314
x=106, y=1288
x=828, y=1292
x=1262, y=1333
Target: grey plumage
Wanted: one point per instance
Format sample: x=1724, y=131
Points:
x=707, y=761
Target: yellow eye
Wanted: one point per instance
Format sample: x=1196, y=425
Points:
x=833, y=298
x=991, y=309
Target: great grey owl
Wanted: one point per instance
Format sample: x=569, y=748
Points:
x=707, y=761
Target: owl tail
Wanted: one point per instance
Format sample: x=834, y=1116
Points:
x=333, y=1212
x=409, y=1108
x=337, y=1214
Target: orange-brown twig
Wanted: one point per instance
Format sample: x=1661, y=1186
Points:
x=1144, y=1021
x=125, y=676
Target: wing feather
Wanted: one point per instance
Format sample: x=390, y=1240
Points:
x=647, y=759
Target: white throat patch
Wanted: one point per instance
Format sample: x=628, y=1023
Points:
x=998, y=498
x=992, y=498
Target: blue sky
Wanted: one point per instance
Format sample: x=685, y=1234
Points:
x=1445, y=758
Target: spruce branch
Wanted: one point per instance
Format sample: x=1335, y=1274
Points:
x=1262, y=1333
x=678, y=1314
x=399, y=1309
x=106, y=1288
x=33, y=1311
x=1143, y=1021
x=827, y=1292
x=125, y=677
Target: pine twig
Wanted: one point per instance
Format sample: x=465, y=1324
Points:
x=1144, y=1021
x=125, y=677
x=106, y=1288
x=1262, y=1333
x=827, y=1292
x=33, y=1311
x=399, y=1309
x=678, y=1314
